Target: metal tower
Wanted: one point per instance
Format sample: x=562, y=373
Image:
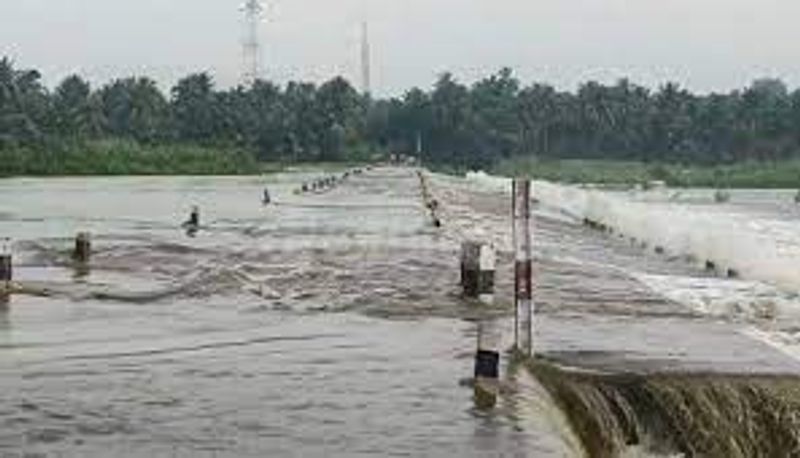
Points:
x=251, y=44
x=366, y=66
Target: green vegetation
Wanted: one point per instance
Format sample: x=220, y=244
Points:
x=781, y=174
x=126, y=158
x=579, y=171
x=496, y=120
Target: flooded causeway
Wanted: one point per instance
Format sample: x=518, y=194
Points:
x=331, y=324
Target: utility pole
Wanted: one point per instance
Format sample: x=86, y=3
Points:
x=366, y=65
x=251, y=45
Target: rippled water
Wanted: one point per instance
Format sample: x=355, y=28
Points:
x=327, y=324
x=268, y=334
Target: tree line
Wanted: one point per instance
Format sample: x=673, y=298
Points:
x=454, y=124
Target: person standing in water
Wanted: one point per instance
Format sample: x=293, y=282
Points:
x=192, y=225
x=267, y=198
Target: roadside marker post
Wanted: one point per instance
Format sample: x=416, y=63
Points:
x=523, y=268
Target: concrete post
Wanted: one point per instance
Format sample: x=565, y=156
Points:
x=488, y=263
x=523, y=288
x=487, y=365
x=487, y=358
x=478, y=262
x=470, y=268
x=477, y=280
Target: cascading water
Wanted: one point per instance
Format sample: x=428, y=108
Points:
x=286, y=329
x=690, y=415
x=661, y=410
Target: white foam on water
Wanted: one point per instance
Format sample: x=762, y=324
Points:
x=740, y=299
x=786, y=342
x=754, y=245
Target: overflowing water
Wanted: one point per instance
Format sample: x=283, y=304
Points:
x=330, y=323
x=753, y=238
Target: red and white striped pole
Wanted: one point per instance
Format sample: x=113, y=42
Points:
x=523, y=269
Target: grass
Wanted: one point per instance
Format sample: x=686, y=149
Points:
x=784, y=174
x=122, y=157
x=115, y=157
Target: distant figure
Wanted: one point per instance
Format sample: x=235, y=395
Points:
x=674, y=197
x=797, y=197
x=192, y=225
x=722, y=196
x=267, y=198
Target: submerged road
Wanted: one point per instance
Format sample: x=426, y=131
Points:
x=327, y=324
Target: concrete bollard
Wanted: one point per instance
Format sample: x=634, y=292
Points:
x=6, y=262
x=487, y=357
x=488, y=262
x=470, y=268
x=478, y=262
x=523, y=269
x=83, y=248
x=487, y=365
x=431, y=204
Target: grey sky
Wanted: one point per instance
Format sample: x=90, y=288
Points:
x=703, y=44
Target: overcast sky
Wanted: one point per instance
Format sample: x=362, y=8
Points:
x=703, y=44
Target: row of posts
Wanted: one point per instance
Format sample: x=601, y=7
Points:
x=710, y=265
x=81, y=254
x=431, y=204
x=328, y=182
x=478, y=265
x=83, y=242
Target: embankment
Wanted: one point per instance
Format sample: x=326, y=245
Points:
x=664, y=414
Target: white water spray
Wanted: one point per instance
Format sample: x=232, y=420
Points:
x=757, y=249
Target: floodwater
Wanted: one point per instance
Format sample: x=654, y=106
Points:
x=327, y=324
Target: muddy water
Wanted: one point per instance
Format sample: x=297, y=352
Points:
x=325, y=325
